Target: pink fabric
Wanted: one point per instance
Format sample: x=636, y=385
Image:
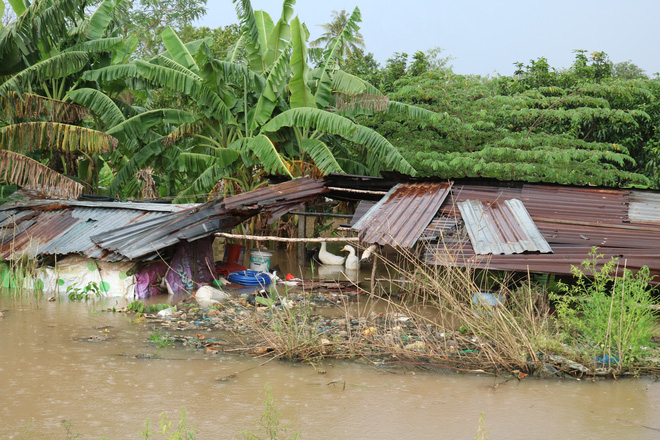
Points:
x=192, y=266
x=148, y=279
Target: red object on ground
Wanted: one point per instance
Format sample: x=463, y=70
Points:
x=234, y=253
x=225, y=269
x=289, y=277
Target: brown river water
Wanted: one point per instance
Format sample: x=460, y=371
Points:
x=51, y=371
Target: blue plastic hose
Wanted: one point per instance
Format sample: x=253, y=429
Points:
x=249, y=278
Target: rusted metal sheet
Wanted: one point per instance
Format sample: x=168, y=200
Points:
x=644, y=207
x=401, y=216
x=362, y=208
x=269, y=197
x=571, y=220
x=145, y=239
x=501, y=227
x=56, y=227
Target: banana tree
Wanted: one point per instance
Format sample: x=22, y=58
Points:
x=44, y=52
x=270, y=112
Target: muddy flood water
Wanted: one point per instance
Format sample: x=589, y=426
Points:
x=55, y=368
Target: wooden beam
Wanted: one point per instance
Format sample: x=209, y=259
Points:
x=284, y=239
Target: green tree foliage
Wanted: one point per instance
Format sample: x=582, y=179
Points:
x=352, y=41
x=628, y=70
x=364, y=66
x=578, y=126
x=268, y=111
x=223, y=39
x=148, y=18
x=45, y=51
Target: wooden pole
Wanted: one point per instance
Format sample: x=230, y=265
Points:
x=302, y=234
x=284, y=239
x=373, y=273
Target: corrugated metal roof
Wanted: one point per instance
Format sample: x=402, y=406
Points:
x=502, y=227
x=644, y=207
x=400, y=217
x=144, y=239
x=572, y=220
x=48, y=227
x=362, y=208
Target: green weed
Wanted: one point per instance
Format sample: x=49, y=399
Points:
x=269, y=425
x=482, y=432
x=137, y=307
x=169, y=431
x=160, y=339
x=90, y=291
x=608, y=317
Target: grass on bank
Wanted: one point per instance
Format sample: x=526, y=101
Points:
x=601, y=322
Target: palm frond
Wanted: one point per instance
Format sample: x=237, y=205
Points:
x=31, y=106
x=274, y=84
x=301, y=95
x=18, y=6
x=414, y=112
x=196, y=163
x=279, y=38
x=123, y=54
x=207, y=99
x=31, y=136
x=111, y=73
x=181, y=132
x=268, y=155
x=100, y=19
x=308, y=117
x=237, y=72
x=98, y=102
x=350, y=84
x=58, y=66
x=178, y=50
x=97, y=45
x=170, y=63
x=28, y=173
x=380, y=152
x=322, y=156
x=265, y=27
x=250, y=30
x=135, y=127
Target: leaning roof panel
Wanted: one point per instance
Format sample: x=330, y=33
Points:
x=502, y=227
x=401, y=216
x=48, y=227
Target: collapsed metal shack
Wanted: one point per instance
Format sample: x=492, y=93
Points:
x=176, y=238
x=521, y=227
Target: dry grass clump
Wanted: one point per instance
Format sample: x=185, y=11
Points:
x=501, y=336
x=436, y=322
x=290, y=332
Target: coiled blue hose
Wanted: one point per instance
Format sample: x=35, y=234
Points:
x=249, y=278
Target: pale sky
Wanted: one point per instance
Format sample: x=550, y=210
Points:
x=486, y=36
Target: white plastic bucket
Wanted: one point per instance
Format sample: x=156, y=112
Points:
x=260, y=260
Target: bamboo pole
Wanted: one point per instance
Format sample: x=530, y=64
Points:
x=284, y=239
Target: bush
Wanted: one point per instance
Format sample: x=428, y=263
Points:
x=609, y=318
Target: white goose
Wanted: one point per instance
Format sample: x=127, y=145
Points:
x=327, y=258
x=352, y=261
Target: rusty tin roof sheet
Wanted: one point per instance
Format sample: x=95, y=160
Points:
x=571, y=220
x=401, y=216
x=145, y=239
x=502, y=227
x=644, y=207
x=49, y=227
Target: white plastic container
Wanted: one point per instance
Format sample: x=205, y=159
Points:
x=260, y=260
